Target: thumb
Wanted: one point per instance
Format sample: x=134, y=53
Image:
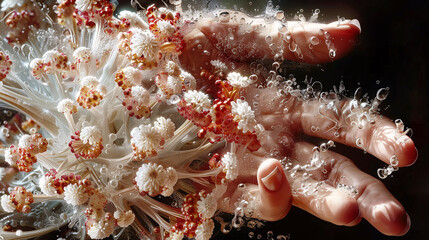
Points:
x=274, y=190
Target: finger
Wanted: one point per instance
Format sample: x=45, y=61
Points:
x=252, y=38
x=381, y=138
x=319, y=198
x=270, y=199
x=319, y=43
x=376, y=203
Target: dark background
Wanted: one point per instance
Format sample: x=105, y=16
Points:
x=392, y=52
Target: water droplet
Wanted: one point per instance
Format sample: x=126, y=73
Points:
x=268, y=39
x=224, y=17
x=382, y=173
x=326, y=34
x=394, y=161
x=314, y=40
x=359, y=142
x=332, y=53
x=382, y=94
x=282, y=29
x=280, y=15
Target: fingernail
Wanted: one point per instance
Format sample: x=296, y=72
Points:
x=356, y=23
x=273, y=181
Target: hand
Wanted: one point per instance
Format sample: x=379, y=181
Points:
x=264, y=176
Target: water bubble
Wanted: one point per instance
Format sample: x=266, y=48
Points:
x=394, y=161
x=331, y=143
x=259, y=236
x=332, y=53
x=103, y=170
x=287, y=38
x=314, y=40
x=359, y=142
x=301, y=17
x=242, y=21
x=382, y=94
x=293, y=47
x=253, y=78
x=336, y=134
x=251, y=224
x=18, y=233
x=224, y=17
x=399, y=125
x=326, y=34
x=316, y=11
x=268, y=39
x=323, y=147
x=251, y=234
x=174, y=99
x=382, y=173
x=282, y=29
x=113, y=183
x=269, y=234
x=280, y=15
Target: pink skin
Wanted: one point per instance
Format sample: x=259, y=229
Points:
x=270, y=186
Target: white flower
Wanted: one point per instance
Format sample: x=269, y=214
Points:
x=170, y=67
x=11, y=156
x=25, y=141
x=75, y=194
x=11, y=4
x=66, y=106
x=244, y=115
x=188, y=80
x=170, y=181
x=135, y=19
x=229, y=161
x=124, y=219
x=166, y=29
x=7, y=204
x=103, y=228
x=174, y=84
x=200, y=100
x=2, y=173
x=143, y=43
x=150, y=178
x=165, y=127
x=218, y=65
x=145, y=138
x=47, y=186
x=90, y=135
x=83, y=5
x=237, y=80
x=207, y=206
x=204, y=230
x=130, y=73
x=82, y=54
x=89, y=81
x=140, y=94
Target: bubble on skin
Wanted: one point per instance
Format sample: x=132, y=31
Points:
x=224, y=17
x=314, y=40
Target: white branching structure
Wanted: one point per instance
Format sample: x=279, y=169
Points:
x=93, y=142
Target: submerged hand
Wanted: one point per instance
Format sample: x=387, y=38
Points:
x=238, y=45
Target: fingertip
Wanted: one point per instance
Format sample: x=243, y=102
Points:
x=342, y=208
x=408, y=155
x=391, y=219
x=275, y=193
